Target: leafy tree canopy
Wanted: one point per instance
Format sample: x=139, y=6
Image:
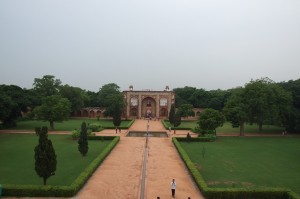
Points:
x=47, y=85
x=111, y=98
x=13, y=101
x=75, y=95
x=53, y=109
x=236, y=110
x=267, y=102
x=186, y=110
x=210, y=119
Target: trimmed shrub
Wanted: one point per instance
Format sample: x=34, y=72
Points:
x=197, y=139
x=101, y=137
x=190, y=165
x=231, y=193
x=75, y=134
x=93, y=128
x=166, y=126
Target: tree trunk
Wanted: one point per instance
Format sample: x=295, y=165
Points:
x=52, y=125
x=242, y=128
x=260, y=127
x=45, y=181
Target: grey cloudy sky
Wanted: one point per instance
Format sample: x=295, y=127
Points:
x=149, y=44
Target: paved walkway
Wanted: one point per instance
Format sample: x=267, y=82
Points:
x=120, y=174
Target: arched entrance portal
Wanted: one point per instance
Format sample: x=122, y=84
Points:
x=148, y=107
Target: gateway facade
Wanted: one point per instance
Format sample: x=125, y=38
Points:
x=148, y=103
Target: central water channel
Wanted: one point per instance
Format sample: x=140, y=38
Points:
x=147, y=134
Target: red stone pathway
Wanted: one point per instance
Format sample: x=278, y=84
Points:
x=119, y=176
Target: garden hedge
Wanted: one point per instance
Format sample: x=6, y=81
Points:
x=126, y=127
x=173, y=128
x=198, y=139
x=231, y=193
x=61, y=191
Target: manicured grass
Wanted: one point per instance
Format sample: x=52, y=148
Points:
x=68, y=125
x=267, y=129
x=17, y=159
x=185, y=124
x=253, y=162
x=227, y=127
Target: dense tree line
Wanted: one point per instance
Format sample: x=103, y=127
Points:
x=260, y=101
x=200, y=98
x=51, y=101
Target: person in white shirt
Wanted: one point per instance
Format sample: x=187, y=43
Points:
x=173, y=187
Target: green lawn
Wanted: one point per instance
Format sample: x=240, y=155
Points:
x=267, y=129
x=227, y=127
x=17, y=159
x=68, y=125
x=248, y=161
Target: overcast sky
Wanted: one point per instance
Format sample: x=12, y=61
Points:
x=149, y=44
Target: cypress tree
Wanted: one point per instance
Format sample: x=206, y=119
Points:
x=45, y=157
x=177, y=119
x=82, y=142
x=172, y=115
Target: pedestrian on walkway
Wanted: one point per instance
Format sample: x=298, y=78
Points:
x=173, y=187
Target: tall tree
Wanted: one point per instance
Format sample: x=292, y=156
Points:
x=177, y=119
x=45, y=157
x=267, y=102
x=83, y=146
x=172, y=114
x=236, y=110
x=112, y=99
x=75, y=95
x=14, y=101
x=106, y=92
x=53, y=109
x=186, y=110
x=209, y=120
x=6, y=107
x=200, y=98
x=116, y=110
x=217, y=99
x=293, y=119
x=47, y=85
x=183, y=95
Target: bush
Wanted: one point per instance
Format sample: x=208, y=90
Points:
x=188, y=137
x=93, y=128
x=75, y=134
x=166, y=126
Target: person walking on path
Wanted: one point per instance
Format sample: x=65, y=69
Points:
x=173, y=187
